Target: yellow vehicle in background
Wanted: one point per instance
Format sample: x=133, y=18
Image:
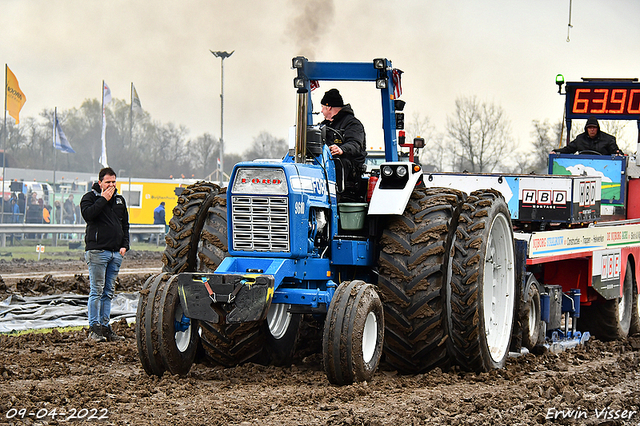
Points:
x=144, y=195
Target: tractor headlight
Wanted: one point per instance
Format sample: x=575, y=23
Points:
x=401, y=171
x=387, y=171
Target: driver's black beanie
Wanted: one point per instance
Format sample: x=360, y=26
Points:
x=332, y=98
x=592, y=121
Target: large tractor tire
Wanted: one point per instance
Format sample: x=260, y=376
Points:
x=611, y=319
x=483, y=288
x=197, y=241
x=413, y=270
x=353, y=333
x=177, y=335
x=146, y=326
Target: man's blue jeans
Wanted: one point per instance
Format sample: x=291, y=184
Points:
x=103, y=271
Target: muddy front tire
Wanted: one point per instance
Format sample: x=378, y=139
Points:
x=146, y=325
x=353, y=334
x=413, y=269
x=483, y=289
x=177, y=335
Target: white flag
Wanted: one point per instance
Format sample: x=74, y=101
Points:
x=135, y=100
x=60, y=140
x=103, y=157
x=106, y=94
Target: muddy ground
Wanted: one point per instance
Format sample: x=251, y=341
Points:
x=57, y=375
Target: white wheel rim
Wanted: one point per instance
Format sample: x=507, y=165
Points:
x=369, y=337
x=621, y=305
x=182, y=338
x=533, y=314
x=278, y=319
x=498, y=288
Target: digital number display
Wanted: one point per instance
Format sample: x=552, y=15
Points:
x=604, y=100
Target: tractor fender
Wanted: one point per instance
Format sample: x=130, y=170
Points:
x=392, y=193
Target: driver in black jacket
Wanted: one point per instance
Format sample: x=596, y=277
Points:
x=350, y=144
x=592, y=139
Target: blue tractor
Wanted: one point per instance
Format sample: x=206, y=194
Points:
x=246, y=265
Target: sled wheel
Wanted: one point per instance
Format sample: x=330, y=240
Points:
x=353, y=334
x=413, y=267
x=146, y=326
x=282, y=332
x=531, y=315
x=611, y=319
x=483, y=289
x=178, y=335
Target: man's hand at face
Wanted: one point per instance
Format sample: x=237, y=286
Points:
x=108, y=192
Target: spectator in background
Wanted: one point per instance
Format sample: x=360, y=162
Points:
x=46, y=214
x=159, y=215
x=159, y=219
x=15, y=210
x=69, y=211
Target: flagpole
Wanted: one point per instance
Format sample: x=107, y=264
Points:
x=4, y=134
x=55, y=159
x=131, y=149
x=102, y=132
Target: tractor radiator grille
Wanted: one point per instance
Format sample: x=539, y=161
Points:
x=260, y=223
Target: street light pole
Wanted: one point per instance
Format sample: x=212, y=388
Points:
x=222, y=55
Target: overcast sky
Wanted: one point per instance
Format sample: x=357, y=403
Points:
x=503, y=51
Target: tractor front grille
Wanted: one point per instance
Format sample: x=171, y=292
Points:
x=260, y=223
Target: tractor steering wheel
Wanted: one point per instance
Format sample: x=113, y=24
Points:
x=590, y=151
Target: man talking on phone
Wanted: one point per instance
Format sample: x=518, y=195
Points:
x=106, y=242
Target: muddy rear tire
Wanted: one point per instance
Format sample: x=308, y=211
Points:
x=413, y=269
x=483, y=288
x=353, y=334
x=197, y=237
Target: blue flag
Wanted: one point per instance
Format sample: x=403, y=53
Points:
x=60, y=140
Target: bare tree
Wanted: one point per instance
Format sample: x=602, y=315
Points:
x=479, y=134
x=434, y=152
x=545, y=138
x=266, y=145
x=202, y=153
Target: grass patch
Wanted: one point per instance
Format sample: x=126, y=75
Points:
x=26, y=249
x=44, y=330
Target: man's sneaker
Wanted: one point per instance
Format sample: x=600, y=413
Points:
x=95, y=334
x=110, y=335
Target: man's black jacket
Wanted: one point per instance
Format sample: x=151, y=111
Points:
x=107, y=221
x=354, y=143
x=603, y=143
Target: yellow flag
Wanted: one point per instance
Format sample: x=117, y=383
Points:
x=15, y=98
